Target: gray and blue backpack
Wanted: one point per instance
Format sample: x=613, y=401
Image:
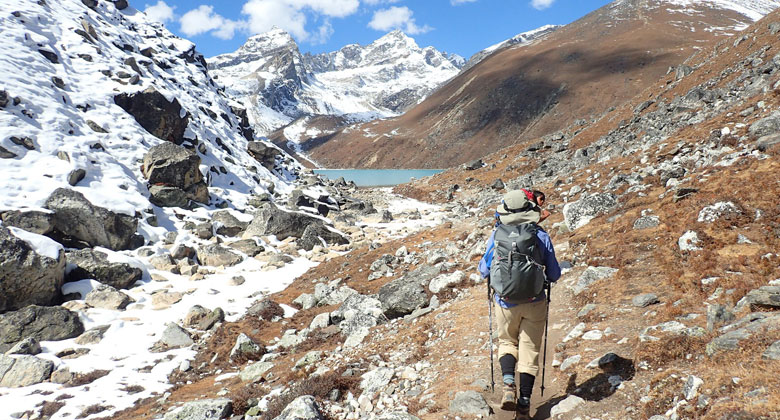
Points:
x=516, y=271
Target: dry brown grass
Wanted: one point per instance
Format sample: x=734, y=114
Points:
x=49, y=408
x=93, y=409
x=670, y=350
x=317, y=386
x=86, y=378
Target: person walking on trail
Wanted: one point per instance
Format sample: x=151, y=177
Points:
x=519, y=262
x=540, y=199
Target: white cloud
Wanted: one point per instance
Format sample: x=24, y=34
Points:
x=457, y=2
x=397, y=18
x=541, y=4
x=265, y=14
x=203, y=19
x=323, y=33
x=160, y=12
x=375, y=2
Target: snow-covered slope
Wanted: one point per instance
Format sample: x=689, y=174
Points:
x=519, y=39
x=62, y=106
x=278, y=84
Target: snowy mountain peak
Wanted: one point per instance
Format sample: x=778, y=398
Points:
x=278, y=84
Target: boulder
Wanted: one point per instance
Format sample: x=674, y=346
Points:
x=172, y=166
x=717, y=211
x=107, y=297
x=765, y=297
x=33, y=221
x=718, y=314
x=154, y=112
x=263, y=153
x=215, y=409
x=213, y=318
x=772, y=352
x=590, y=276
x=42, y=323
x=568, y=404
x=166, y=196
x=93, y=335
x=227, y=224
x=3, y=99
x=646, y=222
x=216, y=255
x=255, y=371
x=77, y=223
x=644, y=300
x=766, y=126
x=580, y=212
x=445, y=280
x=120, y=4
x=91, y=264
x=689, y=241
x=247, y=246
x=246, y=349
x=29, y=346
x=266, y=309
x=473, y=165
x=302, y=408
x=174, y=337
x=470, y=402
x=27, y=277
x=757, y=323
x=320, y=234
x=402, y=296
x=272, y=220
x=19, y=371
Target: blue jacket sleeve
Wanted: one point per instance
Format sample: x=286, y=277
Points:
x=487, y=259
x=552, y=269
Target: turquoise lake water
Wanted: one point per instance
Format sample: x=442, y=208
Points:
x=377, y=177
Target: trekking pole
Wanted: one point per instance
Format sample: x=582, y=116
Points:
x=490, y=337
x=546, y=321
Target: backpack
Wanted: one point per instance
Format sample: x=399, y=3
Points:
x=516, y=271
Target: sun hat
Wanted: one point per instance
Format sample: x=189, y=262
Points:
x=516, y=208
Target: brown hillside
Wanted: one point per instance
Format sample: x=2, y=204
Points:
x=518, y=94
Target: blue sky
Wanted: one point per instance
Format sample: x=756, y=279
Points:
x=460, y=26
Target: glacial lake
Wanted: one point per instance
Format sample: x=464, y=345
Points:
x=377, y=177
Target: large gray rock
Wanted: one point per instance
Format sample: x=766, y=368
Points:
x=446, y=280
x=757, y=323
x=271, y=220
x=174, y=337
x=90, y=264
x=159, y=116
x=402, y=296
x=30, y=220
x=29, y=346
x=592, y=275
x=302, y=408
x=717, y=315
x=27, y=277
x=107, y=297
x=568, y=404
x=227, y=224
x=78, y=222
x=263, y=153
x=40, y=322
x=216, y=255
x=167, y=196
x=766, y=126
x=644, y=300
x=470, y=402
x=320, y=234
x=579, y=213
x=246, y=349
x=255, y=371
x=172, y=166
x=773, y=352
x=376, y=380
x=19, y=371
x=766, y=297
x=220, y=408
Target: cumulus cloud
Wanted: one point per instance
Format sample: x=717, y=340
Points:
x=457, y=2
x=541, y=4
x=160, y=12
x=204, y=19
x=375, y=2
x=397, y=18
x=265, y=14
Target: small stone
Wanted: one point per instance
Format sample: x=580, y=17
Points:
x=570, y=361
x=29, y=346
x=691, y=388
x=593, y=335
x=470, y=402
x=773, y=352
x=568, y=404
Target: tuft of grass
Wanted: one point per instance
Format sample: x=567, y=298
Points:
x=93, y=409
x=317, y=386
x=87, y=378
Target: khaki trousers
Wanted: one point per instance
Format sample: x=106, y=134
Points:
x=520, y=331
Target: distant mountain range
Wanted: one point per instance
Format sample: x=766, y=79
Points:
x=278, y=84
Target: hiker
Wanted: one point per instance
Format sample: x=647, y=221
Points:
x=521, y=321
x=540, y=199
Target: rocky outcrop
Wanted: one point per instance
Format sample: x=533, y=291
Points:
x=402, y=296
x=91, y=264
x=154, y=112
x=30, y=220
x=263, y=153
x=42, y=323
x=579, y=213
x=227, y=224
x=320, y=234
x=215, y=409
x=216, y=255
x=19, y=371
x=80, y=224
x=271, y=220
x=302, y=408
x=174, y=175
x=27, y=277
x=107, y=297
